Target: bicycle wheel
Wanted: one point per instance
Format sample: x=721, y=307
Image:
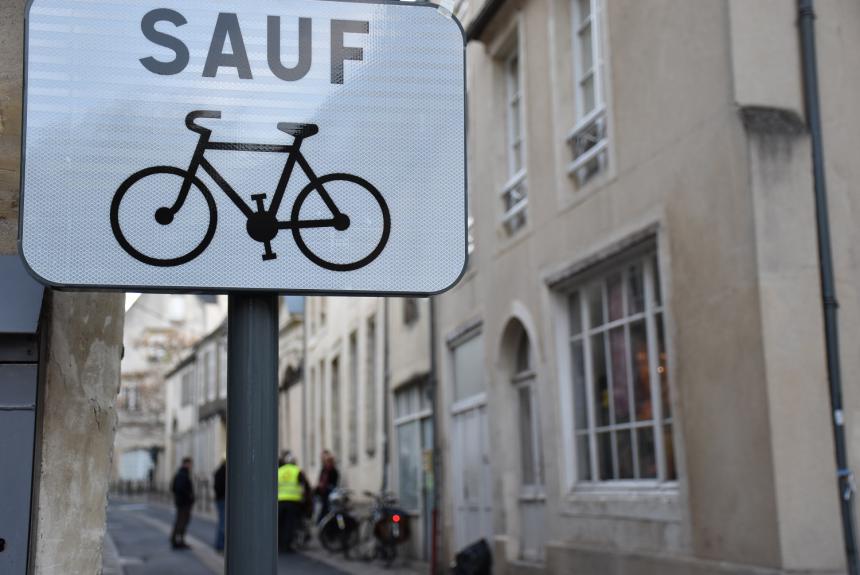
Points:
x=330, y=536
x=145, y=227
x=366, y=541
x=356, y=245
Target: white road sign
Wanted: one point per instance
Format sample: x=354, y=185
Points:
x=301, y=145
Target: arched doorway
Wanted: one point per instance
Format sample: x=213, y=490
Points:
x=521, y=373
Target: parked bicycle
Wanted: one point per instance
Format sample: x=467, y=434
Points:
x=262, y=223
x=384, y=528
x=338, y=530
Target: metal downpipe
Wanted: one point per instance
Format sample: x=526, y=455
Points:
x=845, y=477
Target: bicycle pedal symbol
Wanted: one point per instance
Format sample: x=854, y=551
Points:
x=262, y=224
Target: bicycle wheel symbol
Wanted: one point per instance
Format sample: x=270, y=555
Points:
x=149, y=191
x=343, y=247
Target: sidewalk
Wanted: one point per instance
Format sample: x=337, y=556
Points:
x=158, y=517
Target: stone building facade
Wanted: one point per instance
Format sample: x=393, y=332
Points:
x=632, y=373
x=344, y=389
x=291, y=352
x=195, y=414
x=159, y=329
x=195, y=397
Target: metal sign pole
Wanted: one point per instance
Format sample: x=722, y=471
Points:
x=252, y=423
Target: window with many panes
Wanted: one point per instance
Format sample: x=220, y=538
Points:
x=622, y=411
x=514, y=195
x=413, y=428
x=588, y=138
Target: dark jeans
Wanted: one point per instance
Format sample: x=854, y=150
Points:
x=183, y=518
x=324, y=506
x=290, y=513
x=219, y=532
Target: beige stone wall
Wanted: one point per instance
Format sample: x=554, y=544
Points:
x=409, y=353
x=77, y=423
x=79, y=377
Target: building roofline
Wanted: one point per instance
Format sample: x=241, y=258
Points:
x=192, y=351
x=477, y=26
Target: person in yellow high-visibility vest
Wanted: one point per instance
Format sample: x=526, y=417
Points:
x=293, y=493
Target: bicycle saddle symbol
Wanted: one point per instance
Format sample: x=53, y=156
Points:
x=262, y=224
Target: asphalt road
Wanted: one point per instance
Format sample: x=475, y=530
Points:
x=140, y=532
x=144, y=549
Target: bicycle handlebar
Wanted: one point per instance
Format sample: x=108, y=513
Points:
x=189, y=120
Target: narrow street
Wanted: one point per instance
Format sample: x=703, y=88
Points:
x=137, y=544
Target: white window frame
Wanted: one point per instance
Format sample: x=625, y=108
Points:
x=187, y=387
x=352, y=413
x=514, y=112
x=211, y=367
x=323, y=436
x=201, y=379
x=650, y=314
x=588, y=140
x=313, y=410
x=514, y=216
x=336, y=387
x=222, y=368
x=419, y=415
x=526, y=380
x=371, y=377
x=476, y=399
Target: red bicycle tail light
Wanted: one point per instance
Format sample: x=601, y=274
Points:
x=395, y=518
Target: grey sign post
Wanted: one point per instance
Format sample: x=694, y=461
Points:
x=249, y=148
x=252, y=423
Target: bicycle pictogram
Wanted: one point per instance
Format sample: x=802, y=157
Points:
x=262, y=223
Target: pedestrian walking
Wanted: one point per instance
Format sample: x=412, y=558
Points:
x=183, y=498
x=328, y=480
x=219, y=485
x=293, y=493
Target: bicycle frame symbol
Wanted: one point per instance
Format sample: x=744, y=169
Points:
x=262, y=223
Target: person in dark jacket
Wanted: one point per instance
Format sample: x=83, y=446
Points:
x=183, y=498
x=328, y=480
x=219, y=485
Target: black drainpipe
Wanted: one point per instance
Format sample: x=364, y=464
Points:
x=436, y=496
x=845, y=477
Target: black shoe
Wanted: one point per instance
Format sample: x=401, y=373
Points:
x=184, y=546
